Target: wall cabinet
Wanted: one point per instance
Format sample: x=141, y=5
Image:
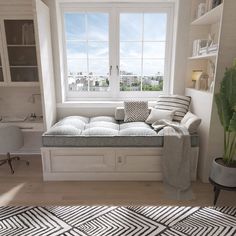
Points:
x=18, y=42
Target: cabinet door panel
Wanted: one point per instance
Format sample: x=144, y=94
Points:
x=24, y=74
x=19, y=56
x=135, y=160
x=19, y=32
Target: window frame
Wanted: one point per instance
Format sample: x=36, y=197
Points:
x=114, y=10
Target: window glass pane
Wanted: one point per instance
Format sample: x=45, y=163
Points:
x=98, y=26
x=152, y=83
x=130, y=50
x=130, y=67
x=130, y=83
x=87, y=39
x=153, y=67
x=154, y=50
x=99, y=83
x=155, y=26
x=98, y=49
x=77, y=67
x=98, y=67
x=76, y=49
x=131, y=26
x=75, y=26
x=78, y=83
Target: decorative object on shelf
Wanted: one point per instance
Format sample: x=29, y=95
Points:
x=223, y=171
x=210, y=4
x=211, y=76
x=198, y=44
x=196, y=75
x=216, y=3
x=201, y=10
x=204, y=47
x=204, y=81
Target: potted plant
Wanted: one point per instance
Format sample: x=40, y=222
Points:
x=223, y=170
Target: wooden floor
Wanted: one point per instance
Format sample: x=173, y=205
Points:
x=26, y=187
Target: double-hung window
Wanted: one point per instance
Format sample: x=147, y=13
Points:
x=116, y=51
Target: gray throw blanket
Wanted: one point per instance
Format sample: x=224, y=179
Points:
x=176, y=161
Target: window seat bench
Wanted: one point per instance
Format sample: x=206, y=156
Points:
x=101, y=148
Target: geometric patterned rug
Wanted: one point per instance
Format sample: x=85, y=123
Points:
x=113, y=220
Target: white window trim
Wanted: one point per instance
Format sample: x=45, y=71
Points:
x=114, y=94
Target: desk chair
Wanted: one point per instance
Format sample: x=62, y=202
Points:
x=11, y=141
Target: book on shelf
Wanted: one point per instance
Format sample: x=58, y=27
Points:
x=210, y=4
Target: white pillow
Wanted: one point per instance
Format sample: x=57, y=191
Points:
x=157, y=114
x=191, y=122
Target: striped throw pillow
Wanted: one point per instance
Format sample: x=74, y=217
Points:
x=178, y=103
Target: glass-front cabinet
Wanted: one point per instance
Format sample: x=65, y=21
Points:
x=20, y=53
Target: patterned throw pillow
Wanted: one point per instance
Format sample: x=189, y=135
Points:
x=136, y=111
x=178, y=103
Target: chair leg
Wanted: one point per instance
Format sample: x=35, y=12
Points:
x=9, y=160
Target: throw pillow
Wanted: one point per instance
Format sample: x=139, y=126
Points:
x=178, y=103
x=191, y=122
x=157, y=114
x=136, y=111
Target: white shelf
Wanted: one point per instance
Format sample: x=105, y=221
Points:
x=205, y=57
x=193, y=90
x=211, y=17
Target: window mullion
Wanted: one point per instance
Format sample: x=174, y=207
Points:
x=86, y=27
x=142, y=52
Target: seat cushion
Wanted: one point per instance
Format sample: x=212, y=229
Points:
x=103, y=131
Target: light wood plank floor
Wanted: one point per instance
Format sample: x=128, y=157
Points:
x=26, y=187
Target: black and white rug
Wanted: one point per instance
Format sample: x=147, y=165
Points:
x=112, y=221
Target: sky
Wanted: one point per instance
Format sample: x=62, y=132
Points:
x=142, y=42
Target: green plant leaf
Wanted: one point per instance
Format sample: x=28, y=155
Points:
x=219, y=108
x=232, y=124
x=224, y=110
x=228, y=86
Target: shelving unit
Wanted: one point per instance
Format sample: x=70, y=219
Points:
x=219, y=22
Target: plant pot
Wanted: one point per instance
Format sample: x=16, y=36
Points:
x=223, y=175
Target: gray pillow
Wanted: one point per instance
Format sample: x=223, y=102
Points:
x=191, y=122
x=136, y=111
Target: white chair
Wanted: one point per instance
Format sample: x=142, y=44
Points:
x=11, y=141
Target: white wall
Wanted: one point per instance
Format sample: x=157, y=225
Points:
x=18, y=101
